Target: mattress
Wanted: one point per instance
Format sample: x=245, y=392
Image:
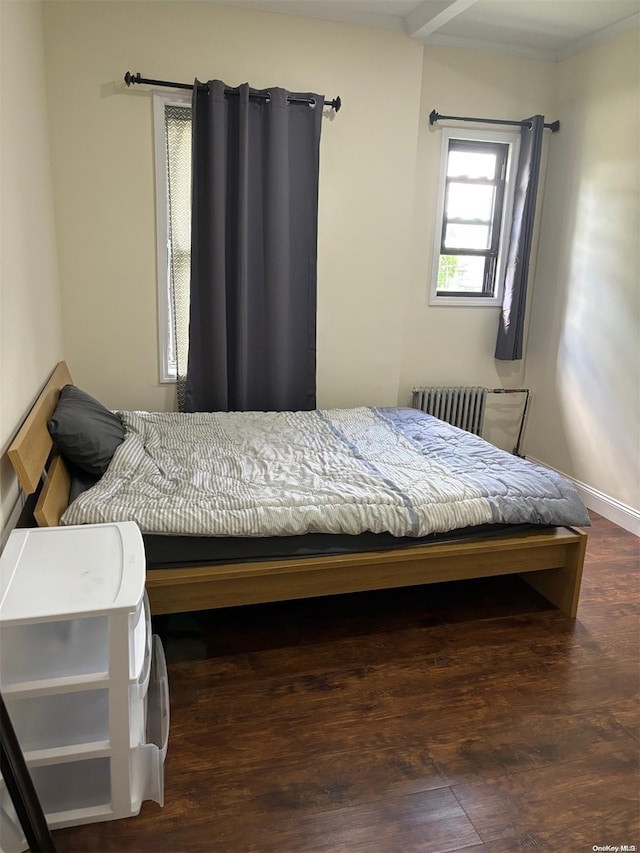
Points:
x=167, y=551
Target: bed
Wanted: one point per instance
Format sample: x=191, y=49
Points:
x=550, y=559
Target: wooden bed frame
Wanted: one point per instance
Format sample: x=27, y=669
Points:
x=550, y=561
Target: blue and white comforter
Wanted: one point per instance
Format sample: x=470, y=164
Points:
x=349, y=471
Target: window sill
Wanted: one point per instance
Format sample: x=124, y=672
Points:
x=166, y=380
x=466, y=301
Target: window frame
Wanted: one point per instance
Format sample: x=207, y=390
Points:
x=512, y=139
x=166, y=368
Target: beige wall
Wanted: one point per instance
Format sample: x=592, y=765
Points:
x=30, y=324
x=452, y=345
x=376, y=334
x=102, y=149
x=584, y=348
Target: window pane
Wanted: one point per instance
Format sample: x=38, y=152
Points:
x=471, y=165
x=178, y=142
x=460, y=273
x=467, y=236
x=468, y=201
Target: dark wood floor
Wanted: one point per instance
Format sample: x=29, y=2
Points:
x=466, y=716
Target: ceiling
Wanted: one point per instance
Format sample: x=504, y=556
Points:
x=539, y=29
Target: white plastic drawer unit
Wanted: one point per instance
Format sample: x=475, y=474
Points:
x=83, y=679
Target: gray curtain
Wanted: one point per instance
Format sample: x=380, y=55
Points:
x=511, y=325
x=252, y=321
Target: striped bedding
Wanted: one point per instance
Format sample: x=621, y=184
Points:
x=392, y=470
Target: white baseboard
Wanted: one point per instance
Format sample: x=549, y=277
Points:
x=615, y=511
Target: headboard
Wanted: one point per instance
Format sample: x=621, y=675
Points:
x=30, y=449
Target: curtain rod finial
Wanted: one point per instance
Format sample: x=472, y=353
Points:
x=130, y=78
x=433, y=117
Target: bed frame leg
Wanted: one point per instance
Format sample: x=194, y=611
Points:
x=561, y=586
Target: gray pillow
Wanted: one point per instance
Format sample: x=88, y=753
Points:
x=84, y=431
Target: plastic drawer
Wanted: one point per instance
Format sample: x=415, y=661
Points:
x=45, y=650
x=138, y=721
x=147, y=770
x=141, y=637
x=140, y=687
x=158, y=700
x=68, y=647
x=74, y=785
x=138, y=700
x=60, y=719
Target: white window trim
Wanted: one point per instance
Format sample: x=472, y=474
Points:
x=167, y=371
x=513, y=140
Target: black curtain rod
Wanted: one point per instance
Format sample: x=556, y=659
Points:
x=434, y=117
x=132, y=79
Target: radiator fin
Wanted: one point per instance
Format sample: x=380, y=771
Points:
x=461, y=406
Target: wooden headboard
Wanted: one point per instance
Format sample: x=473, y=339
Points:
x=31, y=448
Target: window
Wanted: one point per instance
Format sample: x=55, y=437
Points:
x=172, y=121
x=474, y=211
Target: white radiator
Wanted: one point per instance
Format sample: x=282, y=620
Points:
x=464, y=406
x=460, y=406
